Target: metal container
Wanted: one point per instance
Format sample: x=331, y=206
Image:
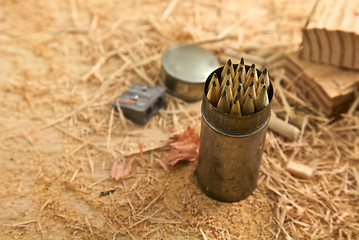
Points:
x=230, y=150
x=184, y=70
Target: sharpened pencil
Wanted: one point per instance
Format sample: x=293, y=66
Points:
x=229, y=92
x=241, y=64
x=226, y=67
x=240, y=94
x=262, y=75
x=238, y=76
x=266, y=78
x=228, y=89
x=215, y=78
x=214, y=93
x=227, y=77
x=236, y=107
x=261, y=100
x=248, y=106
x=248, y=81
x=243, y=74
x=238, y=83
x=231, y=69
x=223, y=104
x=259, y=87
x=250, y=90
x=251, y=69
x=254, y=77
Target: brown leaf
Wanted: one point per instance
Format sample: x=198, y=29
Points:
x=120, y=170
x=184, y=147
x=188, y=134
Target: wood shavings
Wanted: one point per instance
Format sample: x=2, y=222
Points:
x=45, y=204
x=169, y=9
x=204, y=235
x=75, y=174
x=62, y=70
x=295, y=212
x=184, y=147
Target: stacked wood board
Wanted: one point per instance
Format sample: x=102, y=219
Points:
x=328, y=88
x=331, y=34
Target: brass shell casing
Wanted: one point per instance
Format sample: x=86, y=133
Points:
x=230, y=149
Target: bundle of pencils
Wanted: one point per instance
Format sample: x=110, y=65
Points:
x=239, y=91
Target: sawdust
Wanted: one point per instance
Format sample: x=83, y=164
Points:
x=62, y=65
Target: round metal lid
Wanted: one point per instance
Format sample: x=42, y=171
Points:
x=189, y=63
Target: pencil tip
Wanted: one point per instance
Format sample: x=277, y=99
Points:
x=240, y=68
x=265, y=71
x=262, y=82
x=253, y=66
x=229, y=62
x=224, y=93
x=215, y=75
x=214, y=84
x=235, y=99
x=264, y=87
x=250, y=95
x=227, y=83
x=242, y=61
x=252, y=74
x=228, y=71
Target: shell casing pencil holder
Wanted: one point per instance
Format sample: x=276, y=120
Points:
x=230, y=148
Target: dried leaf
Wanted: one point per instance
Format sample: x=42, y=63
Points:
x=184, y=147
x=119, y=170
x=188, y=134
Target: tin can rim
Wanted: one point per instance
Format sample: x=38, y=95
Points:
x=187, y=55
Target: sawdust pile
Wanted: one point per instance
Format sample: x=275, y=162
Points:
x=62, y=65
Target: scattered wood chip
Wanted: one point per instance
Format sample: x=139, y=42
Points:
x=283, y=128
x=184, y=147
x=295, y=212
x=299, y=170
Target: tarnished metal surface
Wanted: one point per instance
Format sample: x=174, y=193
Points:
x=184, y=70
x=230, y=151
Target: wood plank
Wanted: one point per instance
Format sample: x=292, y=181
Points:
x=328, y=88
x=307, y=48
x=331, y=33
x=336, y=48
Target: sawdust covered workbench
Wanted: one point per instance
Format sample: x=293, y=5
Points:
x=62, y=65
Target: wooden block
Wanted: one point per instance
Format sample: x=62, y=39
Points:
x=331, y=34
x=328, y=88
x=335, y=41
x=307, y=48
x=356, y=43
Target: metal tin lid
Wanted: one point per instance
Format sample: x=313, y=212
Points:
x=184, y=70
